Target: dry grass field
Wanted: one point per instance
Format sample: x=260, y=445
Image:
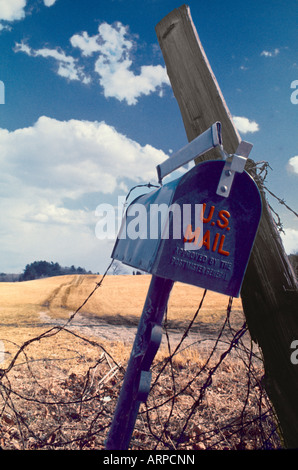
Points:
x=29, y=308
x=61, y=378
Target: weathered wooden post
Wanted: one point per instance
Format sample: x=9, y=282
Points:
x=269, y=291
x=234, y=204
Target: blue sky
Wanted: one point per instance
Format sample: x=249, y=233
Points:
x=89, y=112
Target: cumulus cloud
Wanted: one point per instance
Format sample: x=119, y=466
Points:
x=11, y=10
x=293, y=164
x=48, y=170
x=110, y=49
x=244, y=125
x=75, y=157
x=67, y=66
x=110, y=41
x=113, y=64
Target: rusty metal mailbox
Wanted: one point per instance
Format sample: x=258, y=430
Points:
x=203, y=236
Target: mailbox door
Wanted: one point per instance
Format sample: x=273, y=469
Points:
x=138, y=243
x=229, y=229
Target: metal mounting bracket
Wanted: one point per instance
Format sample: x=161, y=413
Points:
x=235, y=165
x=145, y=378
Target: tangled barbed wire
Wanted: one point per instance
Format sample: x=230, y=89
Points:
x=203, y=396
x=205, y=393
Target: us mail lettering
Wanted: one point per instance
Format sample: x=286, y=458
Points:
x=215, y=242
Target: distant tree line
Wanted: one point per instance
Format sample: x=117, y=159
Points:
x=4, y=277
x=41, y=269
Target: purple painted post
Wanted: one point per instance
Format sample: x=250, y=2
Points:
x=136, y=383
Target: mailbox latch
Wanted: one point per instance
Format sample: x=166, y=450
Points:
x=234, y=164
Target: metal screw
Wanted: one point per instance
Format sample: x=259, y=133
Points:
x=228, y=172
x=224, y=189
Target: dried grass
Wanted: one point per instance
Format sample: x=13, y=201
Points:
x=62, y=390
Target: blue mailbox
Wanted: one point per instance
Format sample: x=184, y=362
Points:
x=198, y=229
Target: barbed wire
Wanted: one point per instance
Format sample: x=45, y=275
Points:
x=261, y=172
x=191, y=405
x=93, y=397
x=281, y=201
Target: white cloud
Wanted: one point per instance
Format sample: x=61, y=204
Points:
x=87, y=44
x=121, y=83
x=11, y=10
x=75, y=157
x=110, y=50
x=113, y=64
x=52, y=163
x=293, y=164
x=67, y=65
x=273, y=53
x=36, y=229
x=290, y=240
x=49, y=3
x=22, y=47
x=110, y=42
x=244, y=125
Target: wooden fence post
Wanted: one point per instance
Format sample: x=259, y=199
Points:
x=269, y=291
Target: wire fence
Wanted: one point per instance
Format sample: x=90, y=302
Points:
x=206, y=393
